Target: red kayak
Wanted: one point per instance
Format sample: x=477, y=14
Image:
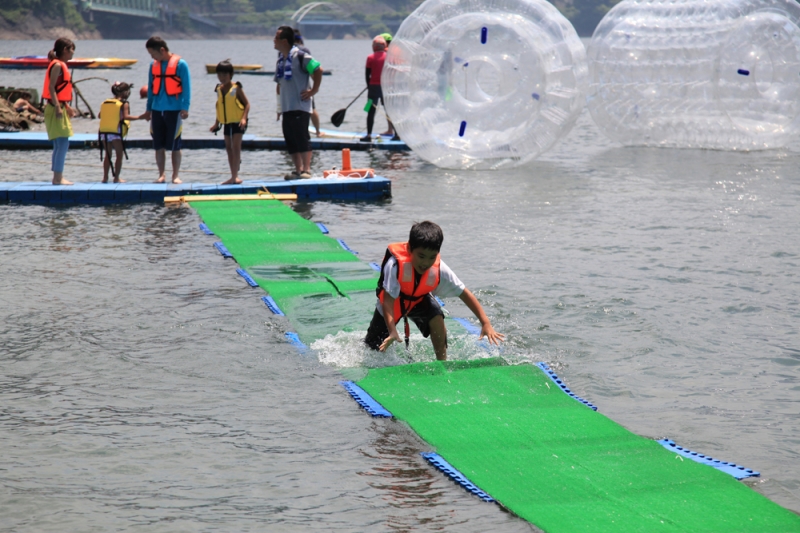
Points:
x=39, y=62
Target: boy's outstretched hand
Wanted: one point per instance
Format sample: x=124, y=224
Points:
x=491, y=335
x=394, y=336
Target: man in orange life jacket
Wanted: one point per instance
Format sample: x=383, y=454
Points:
x=411, y=275
x=169, y=94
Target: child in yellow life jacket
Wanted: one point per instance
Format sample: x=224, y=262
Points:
x=232, y=110
x=115, y=119
x=412, y=274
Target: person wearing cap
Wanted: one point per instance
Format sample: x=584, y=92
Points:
x=298, y=77
x=298, y=42
x=373, y=72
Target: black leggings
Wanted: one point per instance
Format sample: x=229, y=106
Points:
x=374, y=93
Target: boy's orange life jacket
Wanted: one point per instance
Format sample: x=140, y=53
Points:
x=63, y=83
x=413, y=287
x=171, y=79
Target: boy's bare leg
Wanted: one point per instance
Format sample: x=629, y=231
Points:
x=439, y=337
x=118, y=161
x=176, y=166
x=106, y=166
x=233, y=145
x=161, y=163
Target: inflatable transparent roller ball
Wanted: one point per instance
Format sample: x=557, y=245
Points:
x=471, y=84
x=721, y=74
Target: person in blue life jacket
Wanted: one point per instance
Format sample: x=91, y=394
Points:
x=412, y=273
x=169, y=95
x=298, y=77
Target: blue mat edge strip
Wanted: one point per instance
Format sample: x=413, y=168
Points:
x=294, y=339
x=205, y=229
x=366, y=401
x=469, y=326
x=344, y=245
x=447, y=469
x=223, y=250
x=563, y=386
x=322, y=228
x=250, y=281
x=737, y=471
x=272, y=305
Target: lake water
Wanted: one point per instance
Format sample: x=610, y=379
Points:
x=144, y=384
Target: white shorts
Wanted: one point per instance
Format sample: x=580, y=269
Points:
x=111, y=137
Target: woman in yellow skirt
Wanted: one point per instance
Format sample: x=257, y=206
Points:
x=57, y=113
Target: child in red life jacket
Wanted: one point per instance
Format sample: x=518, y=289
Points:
x=411, y=275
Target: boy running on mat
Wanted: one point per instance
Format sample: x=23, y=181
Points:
x=411, y=275
x=232, y=110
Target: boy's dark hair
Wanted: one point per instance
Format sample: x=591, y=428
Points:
x=425, y=234
x=120, y=87
x=298, y=38
x=225, y=67
x=286, y=32
x=156, y=43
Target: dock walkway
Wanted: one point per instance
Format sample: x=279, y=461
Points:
x=39, y=141
x=369, y=189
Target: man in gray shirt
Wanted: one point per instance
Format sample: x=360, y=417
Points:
x=294, y=74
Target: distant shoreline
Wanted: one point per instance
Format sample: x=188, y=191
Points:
x=36, y=29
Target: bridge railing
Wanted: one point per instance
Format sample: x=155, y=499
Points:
x=135, y=8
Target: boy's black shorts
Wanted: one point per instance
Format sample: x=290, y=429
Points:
x=421, y=314
x=295, y=131
x=229, y=130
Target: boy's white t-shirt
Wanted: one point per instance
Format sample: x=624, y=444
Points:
x=449, y=284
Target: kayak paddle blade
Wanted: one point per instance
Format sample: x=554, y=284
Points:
x=338, y=117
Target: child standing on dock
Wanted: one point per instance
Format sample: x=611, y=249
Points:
x=57, y=113
x=411, y=275
x=232, y=110
x=169, y=94
x=115, y=119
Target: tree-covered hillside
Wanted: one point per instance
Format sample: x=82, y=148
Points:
x=254, y=17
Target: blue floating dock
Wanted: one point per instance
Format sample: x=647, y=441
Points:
x=38, y=141
x=367, y=189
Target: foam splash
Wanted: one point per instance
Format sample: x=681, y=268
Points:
x=346, y=349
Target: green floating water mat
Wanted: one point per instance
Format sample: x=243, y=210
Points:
x=284, y=253
x=558, y=464
x=509, y=429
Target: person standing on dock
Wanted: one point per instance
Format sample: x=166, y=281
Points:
x=298, y=41
x=169, y=94
x=373, y=72
x=232, y=110
x=58, y=93
x=294, y=73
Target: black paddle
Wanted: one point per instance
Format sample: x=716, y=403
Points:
x=338, y=117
